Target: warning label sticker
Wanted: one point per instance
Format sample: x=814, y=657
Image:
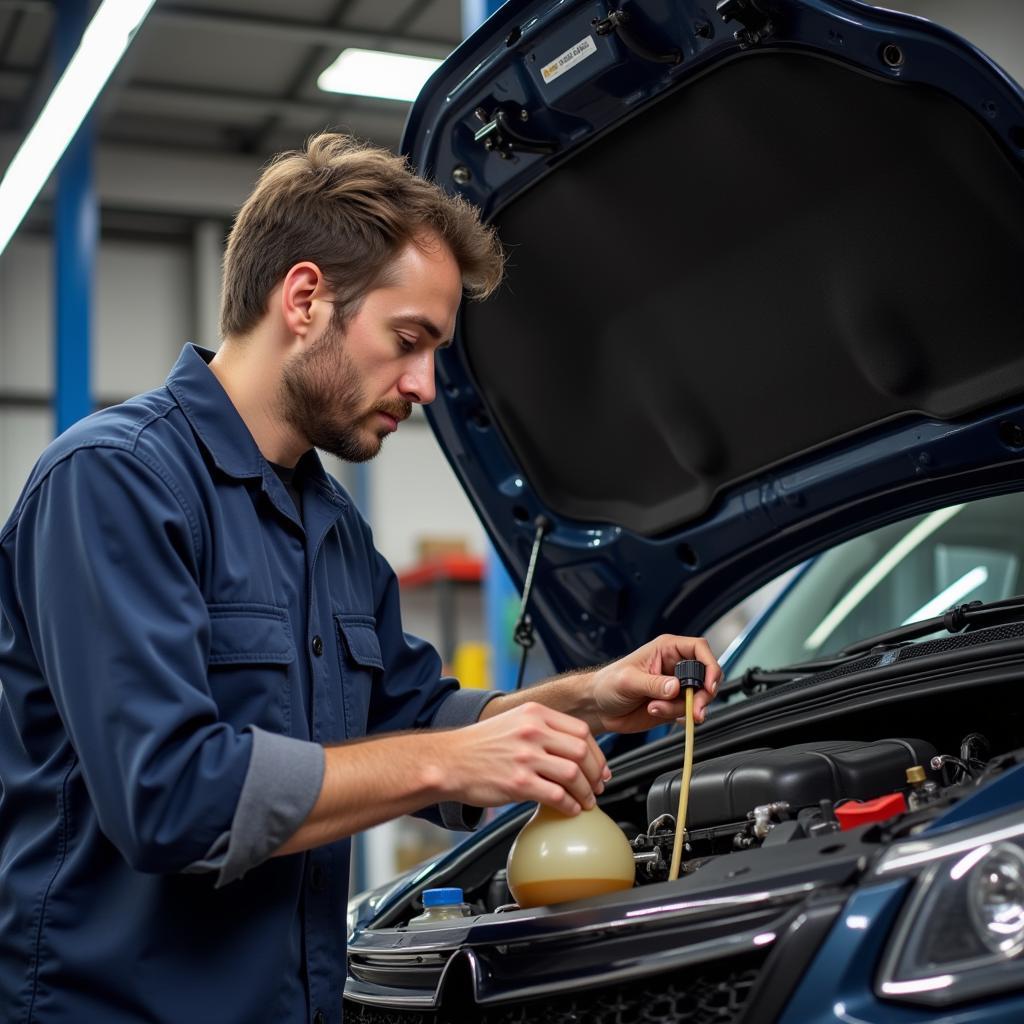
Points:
x=581, y=51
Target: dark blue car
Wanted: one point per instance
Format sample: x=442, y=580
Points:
x=762, y=326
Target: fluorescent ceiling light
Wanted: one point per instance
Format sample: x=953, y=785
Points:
x=103, y=43
x=957, y=591
x=390, y=76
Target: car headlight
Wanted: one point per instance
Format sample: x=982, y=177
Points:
x=996, y=899
x=961, y=934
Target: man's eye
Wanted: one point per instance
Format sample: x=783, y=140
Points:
x=406, y=344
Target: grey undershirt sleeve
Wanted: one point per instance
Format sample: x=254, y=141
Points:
x=463, y=707
x=281, y=786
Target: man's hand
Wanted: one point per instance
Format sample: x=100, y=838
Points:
x=640, y=691
x=635, y=693
x=530, y=752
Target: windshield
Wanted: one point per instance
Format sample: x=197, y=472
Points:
x=899, y=574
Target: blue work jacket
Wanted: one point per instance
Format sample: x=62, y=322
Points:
x=168, y=624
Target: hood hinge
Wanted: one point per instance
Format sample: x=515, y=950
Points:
x=617, y=21
x=757, y=25
x=499, y=134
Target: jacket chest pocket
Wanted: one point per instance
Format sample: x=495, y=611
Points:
x=251, y=649
x=359, y=654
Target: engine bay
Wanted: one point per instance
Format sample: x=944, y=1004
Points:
x=782, y=785
x=763, y=798
x=771, y=796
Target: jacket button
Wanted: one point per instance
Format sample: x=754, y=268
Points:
x=318, y=878
x=318, y=646
x=319, y=1017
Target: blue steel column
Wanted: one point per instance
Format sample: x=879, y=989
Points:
x=501, y=599
x=75, y=243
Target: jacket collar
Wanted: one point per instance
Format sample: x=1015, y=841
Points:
x=223, y=432
x=212, y=415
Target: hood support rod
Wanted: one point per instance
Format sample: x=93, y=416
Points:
x=523, y=634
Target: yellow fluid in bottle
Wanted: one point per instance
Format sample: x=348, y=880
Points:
x=540, y=894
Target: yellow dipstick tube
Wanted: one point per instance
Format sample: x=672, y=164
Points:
x=691, y=677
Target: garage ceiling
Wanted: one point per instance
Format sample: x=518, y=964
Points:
x=228, y=76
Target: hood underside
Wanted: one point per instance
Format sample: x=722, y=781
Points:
x=781, y=255
x=756, y=301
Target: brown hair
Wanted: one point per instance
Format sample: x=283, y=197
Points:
x=349, y=208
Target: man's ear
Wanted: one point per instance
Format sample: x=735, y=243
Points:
x=302, y=284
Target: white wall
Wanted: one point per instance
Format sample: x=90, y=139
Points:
x=26, y=315
x=141, y=317
x=23, y=435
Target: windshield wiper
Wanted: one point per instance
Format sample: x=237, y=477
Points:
x=976, y=614
x=756, y=679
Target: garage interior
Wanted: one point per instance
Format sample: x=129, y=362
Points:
x=206, y=93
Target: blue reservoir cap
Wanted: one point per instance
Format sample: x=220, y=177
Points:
x=441, y=897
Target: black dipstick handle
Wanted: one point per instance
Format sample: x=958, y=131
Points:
x=690, y=675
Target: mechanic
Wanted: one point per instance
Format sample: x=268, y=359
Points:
x=196, y=630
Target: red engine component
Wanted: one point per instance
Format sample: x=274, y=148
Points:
x=856, y=812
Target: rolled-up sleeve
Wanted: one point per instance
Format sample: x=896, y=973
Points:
x=280, y=789
x=107, y=578
x=463, y=707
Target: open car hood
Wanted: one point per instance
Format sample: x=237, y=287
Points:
x=764, y=292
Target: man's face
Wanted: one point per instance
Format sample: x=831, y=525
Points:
x=354, y=385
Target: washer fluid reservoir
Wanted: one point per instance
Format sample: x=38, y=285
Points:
x=441, y=905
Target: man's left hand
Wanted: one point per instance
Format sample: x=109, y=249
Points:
x=640, y=691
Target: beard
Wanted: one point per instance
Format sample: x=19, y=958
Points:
x=322, y=398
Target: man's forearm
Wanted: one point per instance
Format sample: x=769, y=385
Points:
x=367, y=783
x=569, y=693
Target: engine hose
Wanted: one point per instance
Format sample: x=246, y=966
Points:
x=684, y=792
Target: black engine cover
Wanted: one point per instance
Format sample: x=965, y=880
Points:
x=724, y=789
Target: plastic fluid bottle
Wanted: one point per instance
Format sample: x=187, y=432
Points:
x=441, y=905
x=556, y=858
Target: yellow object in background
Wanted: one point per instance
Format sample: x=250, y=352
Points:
x=470, y=666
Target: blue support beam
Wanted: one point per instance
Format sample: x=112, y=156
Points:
x=76, y=234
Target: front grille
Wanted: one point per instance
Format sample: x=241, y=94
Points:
x=713, y=993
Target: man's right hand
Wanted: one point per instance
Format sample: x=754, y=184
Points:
x=527, y=753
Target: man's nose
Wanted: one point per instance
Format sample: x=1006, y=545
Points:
x=417, y=383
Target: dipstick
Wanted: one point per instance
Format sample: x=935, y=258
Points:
x=691, y=677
